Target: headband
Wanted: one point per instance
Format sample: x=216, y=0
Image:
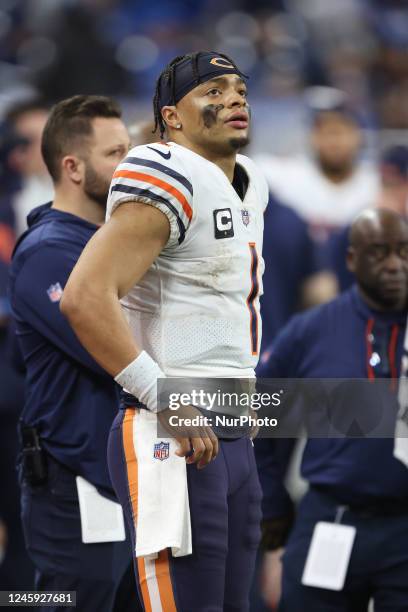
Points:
x=190, y=72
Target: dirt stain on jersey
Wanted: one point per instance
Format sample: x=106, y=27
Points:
x=212, y=273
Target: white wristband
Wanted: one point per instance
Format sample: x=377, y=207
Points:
x=140, y=379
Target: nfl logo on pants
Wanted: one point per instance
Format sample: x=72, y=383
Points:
x=161, y=450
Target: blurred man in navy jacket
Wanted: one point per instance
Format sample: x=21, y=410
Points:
x=357, y=335
x=70, y=401
x=289, y=264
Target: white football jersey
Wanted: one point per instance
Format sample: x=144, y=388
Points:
x=196, y=310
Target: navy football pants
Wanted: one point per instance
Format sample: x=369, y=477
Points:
x=378, y=567
x=99, y=573
x=225, y=518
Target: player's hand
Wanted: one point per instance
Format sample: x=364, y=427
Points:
x=271, y=578
x=198, y=444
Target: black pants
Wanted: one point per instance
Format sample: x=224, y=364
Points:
x=378, y=566
x=16, y=570
x=101, y=574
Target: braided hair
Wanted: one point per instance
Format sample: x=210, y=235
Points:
x=169, y=74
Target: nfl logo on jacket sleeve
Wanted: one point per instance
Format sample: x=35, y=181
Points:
x=161, y=451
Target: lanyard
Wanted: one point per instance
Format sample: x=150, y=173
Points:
x=380, y=363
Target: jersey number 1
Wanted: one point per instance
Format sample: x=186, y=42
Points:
x=253, y=315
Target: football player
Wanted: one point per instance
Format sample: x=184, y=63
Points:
x=170, y=287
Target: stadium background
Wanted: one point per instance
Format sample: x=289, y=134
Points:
x=62, y=47
x=58, y=48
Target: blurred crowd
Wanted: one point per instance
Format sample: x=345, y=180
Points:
x=341, y=67
x=117, y=47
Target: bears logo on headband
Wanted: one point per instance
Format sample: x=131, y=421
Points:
x=221, y=61
x=181, y=76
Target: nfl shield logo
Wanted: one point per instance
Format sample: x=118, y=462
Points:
x=245, y=216
x=55, y=292
x=161, y=451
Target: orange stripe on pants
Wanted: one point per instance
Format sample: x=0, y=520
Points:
x=132, y=478
x=161, y=565
x=143, y=585
x=164, y=582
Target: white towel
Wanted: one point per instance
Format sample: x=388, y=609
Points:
x=401, y=429
x=163, y=512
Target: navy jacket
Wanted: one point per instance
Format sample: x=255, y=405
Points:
x=69, y=398
x=330, y=341
x=289, y=256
